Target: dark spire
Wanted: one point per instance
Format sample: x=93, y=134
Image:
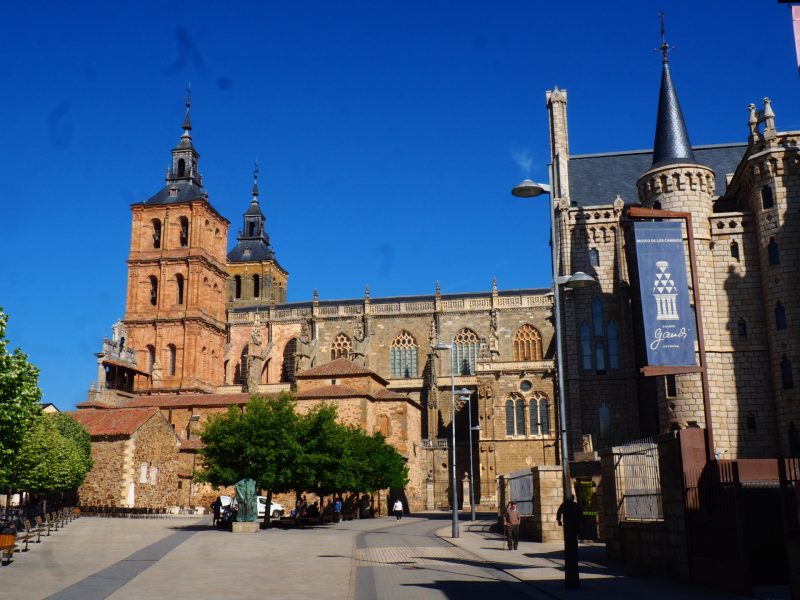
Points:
x=672, y=143
x=187, y=124
x=255, y=180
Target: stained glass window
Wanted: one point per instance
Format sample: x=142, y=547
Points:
x=403, y=356
x=527, y=344
x=465, y=352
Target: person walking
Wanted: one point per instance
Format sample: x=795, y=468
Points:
x=511, y=520
x=216, y=507
x=398, y=509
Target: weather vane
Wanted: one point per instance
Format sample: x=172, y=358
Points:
x=255, y=170
x=665, y=48
x=189, y=95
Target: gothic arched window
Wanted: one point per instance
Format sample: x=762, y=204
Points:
x=597, y=317
x=534, y=427
x=256, y=286
x=287, y=366
x=527, y=344
x=237, y=285
x=586, y=347
x=172, y=359
x=156, y=233
x=544, y=414
x=519, y=410
x=773, y=253
x=340, y=347
x=403, y=356
x=509, y=417
x=766, y=197
x=613, y=346
x=181, y=167
x=465, y=352
x=600, y=358
x=184, y=232
x=786, y=373
x=242, y=365
x=153, y=290
x=179, y=288
x=780, y=316
x=151, y=358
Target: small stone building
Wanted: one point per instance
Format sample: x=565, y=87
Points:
x=135, y=454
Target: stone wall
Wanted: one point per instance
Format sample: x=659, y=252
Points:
x=155, y=464
x=548, y=493
x=106, y=483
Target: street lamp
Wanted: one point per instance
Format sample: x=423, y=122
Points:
x=531, y=189
x=463, y=392
x=471, y=471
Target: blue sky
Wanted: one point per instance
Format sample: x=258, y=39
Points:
x=388, y=135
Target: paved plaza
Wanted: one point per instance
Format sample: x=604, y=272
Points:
x=184, y=557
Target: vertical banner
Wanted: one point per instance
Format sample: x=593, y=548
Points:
x=669, y=325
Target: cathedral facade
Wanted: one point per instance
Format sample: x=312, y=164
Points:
x=205, y=328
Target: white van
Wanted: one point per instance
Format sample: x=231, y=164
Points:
x=276, y=510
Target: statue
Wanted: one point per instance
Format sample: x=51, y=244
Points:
x=306, y=347
x=587, y=442
x=246, y=497
x=494, y=340
x=358, y=354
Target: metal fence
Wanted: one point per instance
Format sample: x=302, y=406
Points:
x=520, y=490
x=638, y=481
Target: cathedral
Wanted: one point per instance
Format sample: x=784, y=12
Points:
x=205, y=327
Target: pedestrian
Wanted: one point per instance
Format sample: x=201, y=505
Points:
x=398, y=509
x=337, y=509
x=511, y=520
x=216, y=507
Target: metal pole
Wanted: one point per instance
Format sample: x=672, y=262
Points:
x=453, y=428
x=471, y=472
x=570, y=540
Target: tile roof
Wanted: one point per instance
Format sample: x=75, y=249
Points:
x=385, y=394
x=596, y=179
x=188, y=400
x=120, y=421
x=331, y=391
x=92, y=404
x=337, y=367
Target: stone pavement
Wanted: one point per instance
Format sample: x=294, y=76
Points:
x=540, y=566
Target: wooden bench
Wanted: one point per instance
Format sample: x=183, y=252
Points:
x=24, y=536
x=34, y=531
x=7, y=546
x=45, y=525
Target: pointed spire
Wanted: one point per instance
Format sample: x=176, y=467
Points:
x=671, y=143
x=187, y=124
x=366, y=293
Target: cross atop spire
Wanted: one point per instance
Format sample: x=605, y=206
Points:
x=255, y=179
x=665, y=49
x=187, y=124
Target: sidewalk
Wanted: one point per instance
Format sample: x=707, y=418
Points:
x=541, y=566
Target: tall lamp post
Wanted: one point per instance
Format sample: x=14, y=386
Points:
x=530, y=189
x=463, y=392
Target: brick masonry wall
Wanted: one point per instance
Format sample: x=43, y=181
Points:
x=155, y=456
x=106, y=483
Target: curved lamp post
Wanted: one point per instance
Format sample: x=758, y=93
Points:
x=531, y=189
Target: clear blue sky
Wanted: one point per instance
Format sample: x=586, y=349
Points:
x=388, y=133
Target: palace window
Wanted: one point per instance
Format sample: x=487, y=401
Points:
x=287, y=366
x=171, y=359
x=767, y=200
x=735, y=250
x=527, y=344
x=256, y=286
x=544, y=414
x=465, y=352
x=153, y=290
x=519, y=414
x=594, y=257
x=237, y=285
x=403, y=356
x=510, y=417
x=780, y=316
x=586, y=347
x=179, y=283
x=773, y=253
x=613, y=346
x=184, y=231
x=786, y=373
x=156, y=233
x=340, y=347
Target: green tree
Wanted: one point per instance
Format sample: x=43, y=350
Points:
x=260, y=443
x=19, y=401
x=48, y=461
x=72, y=430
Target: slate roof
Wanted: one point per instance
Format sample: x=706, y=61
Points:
x=259, y=251
x=121, y=421
x=337, y=368
x=596, y=179
x=188, y=400
x=187, y=190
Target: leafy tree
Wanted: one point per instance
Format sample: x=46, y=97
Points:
x=19, y=400
x=260, y=443
x=48, y=461
x=376, y=464
x=72, y=430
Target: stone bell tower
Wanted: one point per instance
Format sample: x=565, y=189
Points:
x=175, y=310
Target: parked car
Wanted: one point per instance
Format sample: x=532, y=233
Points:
x=276, y=510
